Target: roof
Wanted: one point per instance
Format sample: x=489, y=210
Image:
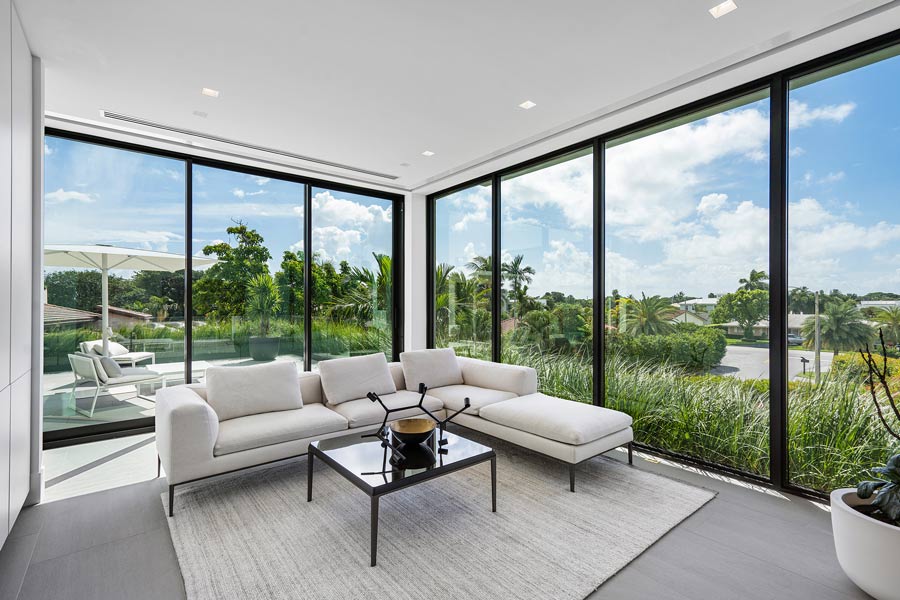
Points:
x=795, y=321
x=114, y=310
x=58, y=315
x=701, y=301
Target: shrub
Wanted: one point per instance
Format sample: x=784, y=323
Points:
x=698, y=348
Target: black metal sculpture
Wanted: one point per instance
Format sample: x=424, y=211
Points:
x=382, y=432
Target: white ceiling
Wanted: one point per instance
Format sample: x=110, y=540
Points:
x=374, y=83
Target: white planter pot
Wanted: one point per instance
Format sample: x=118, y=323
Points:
x=867, y=549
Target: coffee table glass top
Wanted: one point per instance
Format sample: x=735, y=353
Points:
x=365, y=461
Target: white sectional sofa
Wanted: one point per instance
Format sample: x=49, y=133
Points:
x=247, y=416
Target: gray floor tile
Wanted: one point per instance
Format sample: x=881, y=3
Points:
x=14, y=560
x=134, y=567
x=29, y=522
x=93, y=519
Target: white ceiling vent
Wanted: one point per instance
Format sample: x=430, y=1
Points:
x=214, y=138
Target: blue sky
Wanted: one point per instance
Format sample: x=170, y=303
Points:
x=95, y=194
x=688, y=208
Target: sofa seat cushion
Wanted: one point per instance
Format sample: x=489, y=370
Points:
x=565, y=421
x=266, y=429
x=363, y=412
x=454, y=396
x=133, y=375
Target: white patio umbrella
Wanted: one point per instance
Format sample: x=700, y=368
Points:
x=105, y=258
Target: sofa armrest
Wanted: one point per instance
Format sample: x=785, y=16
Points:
x=498, y=376
x=186, y=432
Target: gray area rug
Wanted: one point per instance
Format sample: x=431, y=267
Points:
x=254, y=536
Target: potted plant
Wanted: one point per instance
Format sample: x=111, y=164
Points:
x=866, y=520
x=263, y=300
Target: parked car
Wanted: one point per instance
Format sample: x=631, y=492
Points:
x=794, y=339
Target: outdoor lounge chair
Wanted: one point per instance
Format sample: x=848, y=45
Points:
x=117, y=352
x=87, y=367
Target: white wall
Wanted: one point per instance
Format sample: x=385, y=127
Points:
x=415, y=269
x=16, y=154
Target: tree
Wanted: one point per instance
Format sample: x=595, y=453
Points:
x=841, y=327
x=802, y=300
x=746, y=307
x=263, y=301
x=889, y=319
x=81, y=289
x=518, y=275
x=649, y=316
x=290, y=283
x=160, y=306
x=222, y=291
x=756, y=281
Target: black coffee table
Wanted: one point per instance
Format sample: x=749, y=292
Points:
x=367, y=464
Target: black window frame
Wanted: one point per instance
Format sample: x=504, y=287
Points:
x=777, y=84
x=88, y=433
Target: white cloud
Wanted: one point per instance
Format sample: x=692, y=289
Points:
x=334, y=243
x=61, y=196
x=262, y=180
x=797, y=151
x=330, y=210
x=565, y=269
x=47, y=149
x=832, y=177
x=711, y=203
x=474, y=206
x=565, y=187
x=238, y=192
x=801, y=115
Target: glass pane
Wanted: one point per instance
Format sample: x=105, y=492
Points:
x=686, y=307
x=248, y=306
x=352, y=278
x=129, y=207
x=546, y=270
x=844, y=224
x=462, y=272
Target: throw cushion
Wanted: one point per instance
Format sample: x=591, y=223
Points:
x=115, y=348
x=111, y=367
x=345, y=379
x=234, y=392
x=435, y=368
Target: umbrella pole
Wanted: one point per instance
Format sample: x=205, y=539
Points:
x=104, y=303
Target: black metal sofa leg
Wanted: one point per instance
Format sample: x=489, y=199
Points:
x=571, y=478
x=171, y=500
x=630, y=457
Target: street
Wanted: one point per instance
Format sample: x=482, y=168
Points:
x=747, y=362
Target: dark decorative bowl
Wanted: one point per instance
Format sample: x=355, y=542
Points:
x=412, y=431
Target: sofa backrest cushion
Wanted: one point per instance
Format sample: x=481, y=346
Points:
x=435, y=368
x=507, y=378
x=311, y=388
x=345, y=379
x=234, y=392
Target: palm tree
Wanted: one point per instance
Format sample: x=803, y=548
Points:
x=841, y=327
x=889, y=319
x=649, y=316
x=482, y=269
x=756, y=281
x=517, y=274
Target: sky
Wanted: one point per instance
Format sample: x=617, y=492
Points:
x=96, y=194
x=688, y=208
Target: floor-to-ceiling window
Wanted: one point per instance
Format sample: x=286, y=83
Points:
x=352, y=275
x=546, y=272
x=123, y=210
x=116, y=213
x=844, y=230
x=462, y=271
x=248, y=305
x=687, y=299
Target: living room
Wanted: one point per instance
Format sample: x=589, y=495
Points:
x=590, y=301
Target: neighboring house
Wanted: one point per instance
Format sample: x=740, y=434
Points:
x=56, y=316
x=689, y=316
x=877, y=304
x=698, y=305
x=122, y=317
x=761, y=329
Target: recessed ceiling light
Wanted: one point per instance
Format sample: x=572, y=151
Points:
x=210, y=92
x=404, y=164
x=200, y=113
x=428, y=153
x=527, y=104
x=720, y=10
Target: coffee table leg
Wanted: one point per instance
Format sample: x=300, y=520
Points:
x=309, y=476
x=494, y=484
x=374, y=529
